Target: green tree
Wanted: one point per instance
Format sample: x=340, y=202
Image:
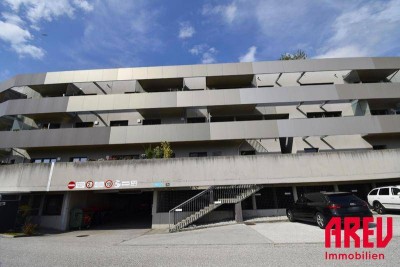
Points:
x=300, y=54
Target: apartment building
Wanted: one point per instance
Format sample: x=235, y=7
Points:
x=247, y=139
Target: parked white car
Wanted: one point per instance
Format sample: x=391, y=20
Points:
x=385, y=198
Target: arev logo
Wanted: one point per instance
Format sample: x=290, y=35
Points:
x=351, y=225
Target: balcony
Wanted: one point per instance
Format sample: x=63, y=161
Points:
x=215, y=131
x=192, y=172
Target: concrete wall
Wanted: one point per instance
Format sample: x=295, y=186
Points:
x=271, y=96
x=202, y=131
x=184, y=172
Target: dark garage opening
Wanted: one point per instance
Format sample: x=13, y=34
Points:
x=122, y=210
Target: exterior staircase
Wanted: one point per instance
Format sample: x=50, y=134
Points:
x=257, y=146
x=207, y=201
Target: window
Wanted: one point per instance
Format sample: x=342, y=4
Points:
x=198, y=154
x=196, y=120
x=379, y=112
x=247, y=152
x=249, y=118
x=83, y=124
x=324, y=114
x=384, y=192
x=44, y=160
x=123, y=157
x=151, y=121
x=311, y=150
x=283, y=116
x=217, y=153
x=118, y=123
x=374, y=192
x=54, y=125
x=78, y=159
x=222, y=119
x=53, y=205
x=395, y=191
x=379, y=147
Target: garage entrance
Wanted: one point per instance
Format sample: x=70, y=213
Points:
x=120, y=210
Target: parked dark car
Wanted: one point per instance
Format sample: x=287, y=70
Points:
x=321, y=207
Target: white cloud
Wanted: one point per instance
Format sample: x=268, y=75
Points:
x=12, y=19
x=250, y=56
x=13, y=34
x=228, y=12
x=37, y=10
x=371, y=29
x=84, y=5
x=27, y=14
x=18, y=39
x=121, y=31
x=29, y=50
x=186, y=30
x=345, y=51
x=207, y=53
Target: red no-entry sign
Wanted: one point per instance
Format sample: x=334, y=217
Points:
x=71, y=185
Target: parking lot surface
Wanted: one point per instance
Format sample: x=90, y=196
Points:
x=262, y=244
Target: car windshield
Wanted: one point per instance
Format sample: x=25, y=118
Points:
x=343, y=199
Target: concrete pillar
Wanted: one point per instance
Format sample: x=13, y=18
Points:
x=238, y=212
x=253, y=200
x=65, y=211
x=154, y=218
x=295, y=196
x=336, y=188
x=154, y=206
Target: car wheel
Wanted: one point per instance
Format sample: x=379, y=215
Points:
x=379, y=208
x=321, y=220
x=289, y=214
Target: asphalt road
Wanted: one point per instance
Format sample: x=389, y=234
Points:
x=232, y=245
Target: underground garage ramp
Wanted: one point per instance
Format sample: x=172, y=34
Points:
x=117, y=210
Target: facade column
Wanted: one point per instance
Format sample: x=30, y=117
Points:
x=295, y=196
x=336, y=188
x=65, y=211
x=238, y=212
x=253, y=200
x=154, y=218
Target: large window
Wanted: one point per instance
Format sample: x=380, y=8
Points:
x=324, y=114
x=198, y=154
x=151, y=121
x=53, y=205
x=196, y=120
x=118, y=123
x=83, y=124
x=43, y=160
x=247, y=152
x=78, y=159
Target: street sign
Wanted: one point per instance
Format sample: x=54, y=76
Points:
x=71, y=185
x=89, y=184
x=109, y=184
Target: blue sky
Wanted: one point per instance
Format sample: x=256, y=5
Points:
x=54, y=35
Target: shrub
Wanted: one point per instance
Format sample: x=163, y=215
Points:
x=29, y=228
x=158, y=152
x=166, y=147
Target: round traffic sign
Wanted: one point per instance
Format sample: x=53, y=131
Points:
x=71, y=185
x=108, y=184
x=89, y=184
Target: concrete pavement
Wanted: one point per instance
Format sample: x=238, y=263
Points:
x=263, y=244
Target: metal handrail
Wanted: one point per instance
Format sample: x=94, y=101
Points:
x=208, y=200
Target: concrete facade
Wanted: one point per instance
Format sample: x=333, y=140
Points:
x=281, y=124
